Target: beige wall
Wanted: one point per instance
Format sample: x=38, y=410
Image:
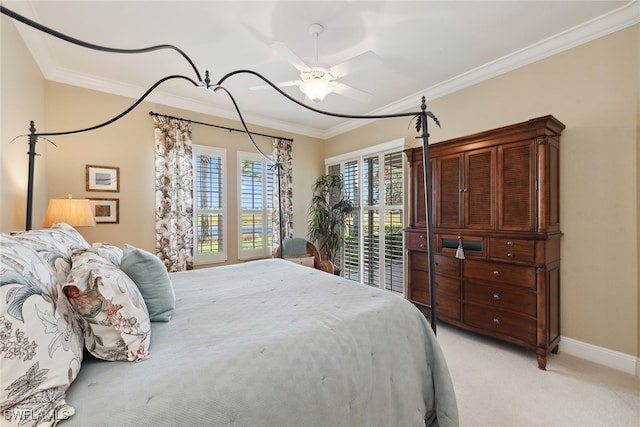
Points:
x=593, y=90
x=21, y=92
x=129, y=144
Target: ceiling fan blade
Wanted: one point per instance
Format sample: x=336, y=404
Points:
x=281, y=84
x=367, y=59
x=293, y=59
x=351, y=92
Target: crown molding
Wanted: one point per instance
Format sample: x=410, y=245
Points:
x=601, y=26
x=87, y=81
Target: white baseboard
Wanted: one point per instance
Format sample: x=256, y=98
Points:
x=603, y=356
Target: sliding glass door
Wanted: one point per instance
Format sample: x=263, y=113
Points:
x=373, y=251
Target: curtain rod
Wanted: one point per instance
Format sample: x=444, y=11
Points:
x=151, y=113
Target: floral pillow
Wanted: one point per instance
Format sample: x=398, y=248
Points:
x=55, y=246
x=41, y=344
x=108, y=251
x=116, y=320
x=22, y=264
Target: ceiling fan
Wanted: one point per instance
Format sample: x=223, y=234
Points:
x=318, y=81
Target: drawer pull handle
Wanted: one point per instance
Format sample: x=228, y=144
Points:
x=509, y=243
x=511, y=255
x=422, y=245
x=496, y=297
x=496, y=273
x=496, y=320
x=422, y=236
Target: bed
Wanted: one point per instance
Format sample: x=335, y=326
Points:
x=89, y=339
x=268, y=343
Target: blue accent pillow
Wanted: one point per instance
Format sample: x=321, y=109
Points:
x=151, y=276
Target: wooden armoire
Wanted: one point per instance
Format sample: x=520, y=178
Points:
x=495, y=194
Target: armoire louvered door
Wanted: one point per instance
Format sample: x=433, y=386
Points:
x=479, y=189
x=465, y=185
x=517, y=186
x=448, y=171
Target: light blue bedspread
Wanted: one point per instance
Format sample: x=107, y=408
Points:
x=274, y=344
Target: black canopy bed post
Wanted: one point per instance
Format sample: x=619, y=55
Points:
x=33, y=139
x=426, y=167
x=278, y=167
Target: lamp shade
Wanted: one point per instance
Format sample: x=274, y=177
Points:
x=75, y=212
x=316, y=88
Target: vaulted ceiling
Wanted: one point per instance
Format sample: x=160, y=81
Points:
x=417, y=48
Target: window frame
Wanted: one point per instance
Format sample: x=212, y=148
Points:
x=221, y=256
x=266, y=211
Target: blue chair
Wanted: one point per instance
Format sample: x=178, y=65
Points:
x=303, y=252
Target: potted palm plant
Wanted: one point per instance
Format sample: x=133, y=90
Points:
x=328, y=215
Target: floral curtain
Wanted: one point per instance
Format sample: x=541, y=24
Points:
x=282, y=154
x=174, y=193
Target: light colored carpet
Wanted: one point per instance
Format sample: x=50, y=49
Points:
x=499, y=384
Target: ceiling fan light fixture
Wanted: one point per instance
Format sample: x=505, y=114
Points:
x=317, y=81
x=316, y=88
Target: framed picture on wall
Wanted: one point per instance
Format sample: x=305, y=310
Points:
x=106, y=211
x=103, y=178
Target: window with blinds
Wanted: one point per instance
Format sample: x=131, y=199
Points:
x=350, y=259
x=393, y=214
x=373, y=249
x=209, y=197
x=255, y=206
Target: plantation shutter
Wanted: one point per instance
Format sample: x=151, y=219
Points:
x=256, y=207
x=351, y=254
x=393, y=222
x=209, y=202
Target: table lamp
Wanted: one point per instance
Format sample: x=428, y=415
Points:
x=75, y=212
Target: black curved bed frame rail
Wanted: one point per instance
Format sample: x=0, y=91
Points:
x=420, y=116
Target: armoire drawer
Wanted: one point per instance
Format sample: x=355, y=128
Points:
x=500, y=321
x=419, y=286
x=447, y=307
x=500, y=272
x=512, y=249
x=420, y=295
x=443, y=264
x=447, y=286
x=416, y=240
x=447, y=265
x=472, y=246
x=419, y=260
x=501, y=296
